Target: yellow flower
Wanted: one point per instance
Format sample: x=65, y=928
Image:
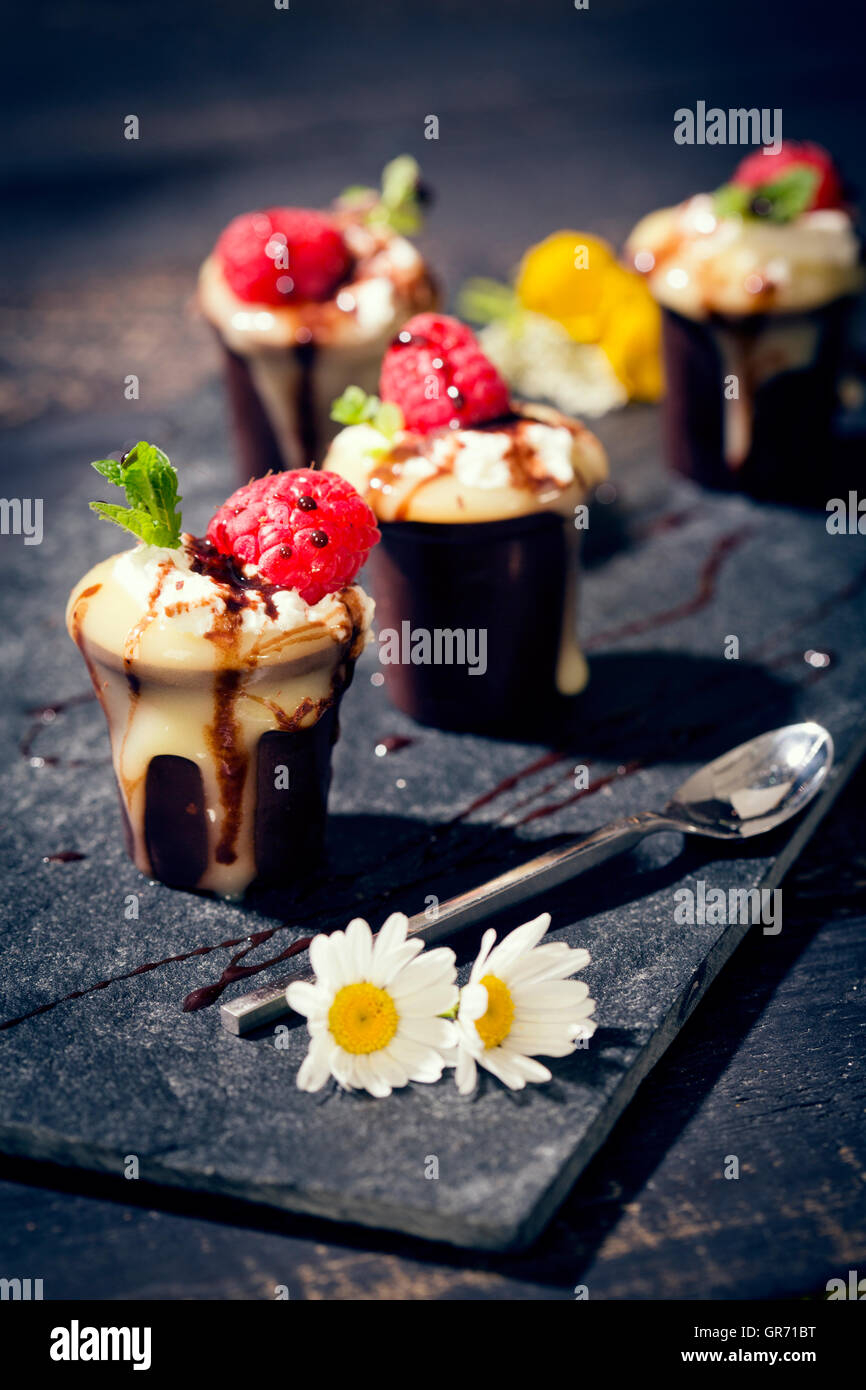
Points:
x=564, y=277
x=575, y=279
x=632, y=339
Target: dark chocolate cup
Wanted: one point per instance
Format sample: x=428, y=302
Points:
x=507, y=578
x=289, y=823
x=308, y=378
x=256, y=448
x=771, y=441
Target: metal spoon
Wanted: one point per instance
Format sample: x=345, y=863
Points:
x=745, y=792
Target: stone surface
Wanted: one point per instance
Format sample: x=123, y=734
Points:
x=122, y=1070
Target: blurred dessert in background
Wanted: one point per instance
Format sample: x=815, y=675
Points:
x=480, y=503
x=305, y=302
x=220, y=664
x=756, y=284
x=577, y=329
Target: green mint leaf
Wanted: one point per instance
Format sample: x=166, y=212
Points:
x=791, y=194
x=110, y=469
x=355, y=407
x=358, y=196
x=400, y=183
x=150, y=484
x=485, y=301
x=732, y=200
x=389, y=419
x=396, y=204
x=778, y=200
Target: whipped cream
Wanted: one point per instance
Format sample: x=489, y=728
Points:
x=166, y=588
x=698, y=264
x=539, y=460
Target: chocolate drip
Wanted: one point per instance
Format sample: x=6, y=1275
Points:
x=223, y=737
x=63, y=856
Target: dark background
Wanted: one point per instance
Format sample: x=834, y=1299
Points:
x=549, y=117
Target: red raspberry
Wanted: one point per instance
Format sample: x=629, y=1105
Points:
x=759, y=168
x=283, y=255
x=437, y=374
x=303, y=530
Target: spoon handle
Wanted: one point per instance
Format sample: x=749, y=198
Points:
x=548, y=870
x=262, y=1005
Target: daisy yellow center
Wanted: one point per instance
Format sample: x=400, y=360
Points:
x=495, y=1026
x=362, y=1018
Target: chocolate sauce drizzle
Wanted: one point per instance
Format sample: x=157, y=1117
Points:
x=206, y=559
x=209, y=994
x=701, y=598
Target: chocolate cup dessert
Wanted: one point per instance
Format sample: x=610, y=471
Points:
x=285, y=364
x=506, y=579
x=478, y=563
x=766, y=439
x=280, y=401
x=755, y=311
x=222, y=708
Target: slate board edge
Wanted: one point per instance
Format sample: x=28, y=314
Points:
x=26, y=1141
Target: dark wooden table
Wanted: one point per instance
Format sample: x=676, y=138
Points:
x=548, y=117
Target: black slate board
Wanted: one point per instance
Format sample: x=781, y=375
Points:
x=121, y=1070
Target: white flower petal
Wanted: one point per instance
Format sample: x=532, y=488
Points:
x=550, y=995
x=421, y=1063
x=359, y=948
x=488, y=941
x=390, y=936
x=528, y=1068
x=466, y=1074
x=388, y=968
x=516, y=944
x=427, y=1003
x=316, y=1067
x=370, y=1077
x=554, y=967
x=434, y=1032
x=473, y=1003
x=343, y=1068
x=308, y=1000
x=431, y=968
x=324, y=961
x=392, y=1068
x=502, y=1067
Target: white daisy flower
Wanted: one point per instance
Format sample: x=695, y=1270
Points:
x=520, y=1003
x=373, y=1012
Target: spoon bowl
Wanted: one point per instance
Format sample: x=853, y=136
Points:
x=755, y=787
